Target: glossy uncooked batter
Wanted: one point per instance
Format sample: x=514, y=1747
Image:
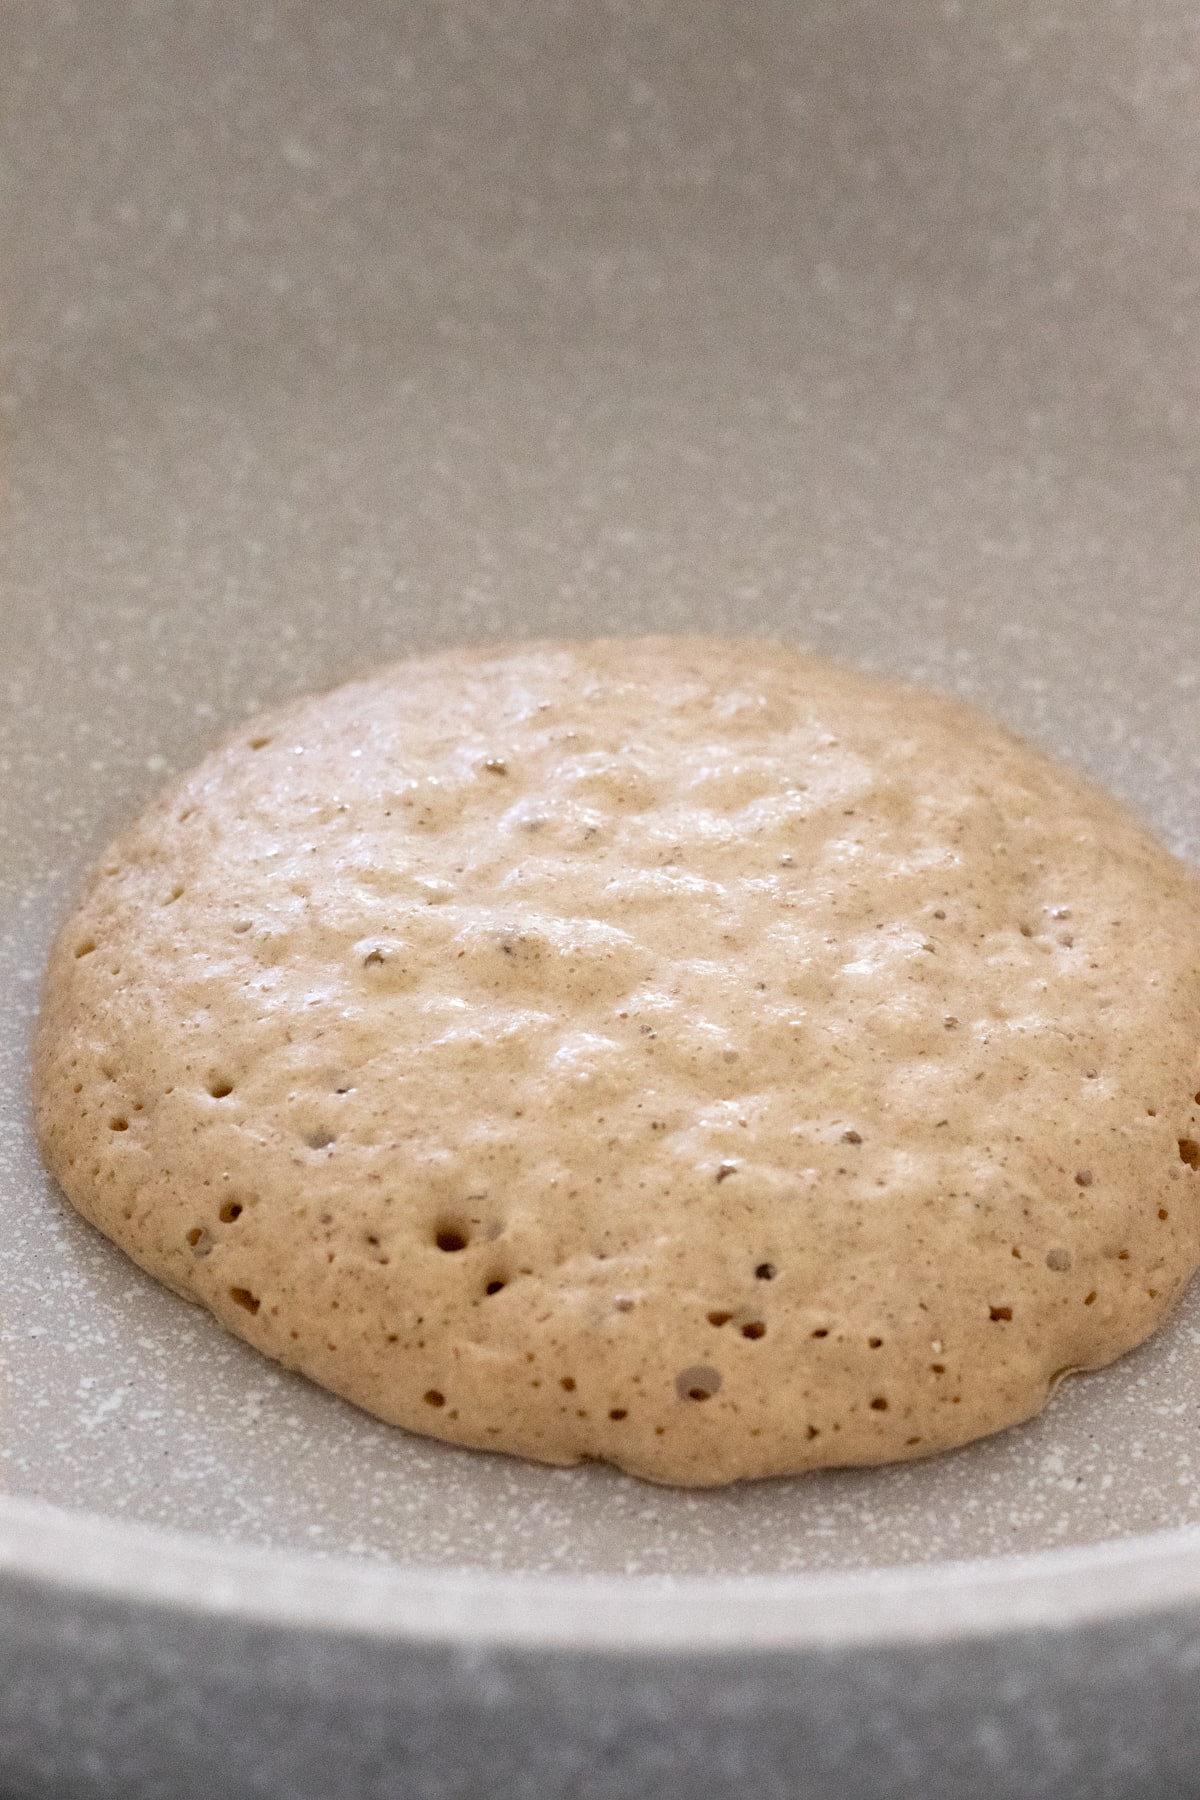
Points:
x=680, y=1052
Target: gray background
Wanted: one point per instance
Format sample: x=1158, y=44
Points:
x=332, y=332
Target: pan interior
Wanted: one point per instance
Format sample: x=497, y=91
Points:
x=334, y=337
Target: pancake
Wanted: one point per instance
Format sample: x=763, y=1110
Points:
x=677, y=1052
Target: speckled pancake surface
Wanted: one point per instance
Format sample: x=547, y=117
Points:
x=680, y=1052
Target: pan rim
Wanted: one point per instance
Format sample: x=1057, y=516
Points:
x=104, y=1560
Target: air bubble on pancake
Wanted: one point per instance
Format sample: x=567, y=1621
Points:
x=999, y=1313
x=230, y=1211
x=320, y=1139
x=118, y=1124
x=451, y=1238
x=1189, y=1152
x=433, y=1398
x=755, y=1329
x=766, y=1271
x=258, y=743
x=219, y=1088
x=879, y=1404
x=700, y=1382
x=85, y=948
x=245, y=1299
x=198, y=1240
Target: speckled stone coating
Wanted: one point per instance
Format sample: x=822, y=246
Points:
x=678, y=1052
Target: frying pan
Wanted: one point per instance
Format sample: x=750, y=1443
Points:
x=337, y=332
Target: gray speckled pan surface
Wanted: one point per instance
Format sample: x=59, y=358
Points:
x=336, y=332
